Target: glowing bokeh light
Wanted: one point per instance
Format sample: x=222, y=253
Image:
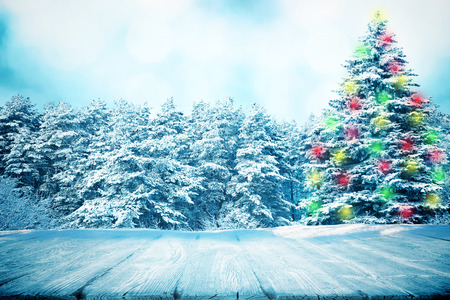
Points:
x=395, y=67
x=431, y=137
x=416, y=100
x=315, y=178
x=351, y=87
x=375, y=147
x=385, y=166
x=351, y=132
x=379, y=16
x=386, y=39
x=339, y=156
x=381, y=122
x=438, y=174
x=382, y=97
x=354, y=104
x=407, y=145
x=432, y=200
x=314, y=206
x=405, y=211
x=400, y=82
x=343, y=180
x=318, y=152
x=387, y=193
x=411, y=166
x=331, y=122
x=416, y=118
x=362, y=51
x=345, y=213
x=435, y=156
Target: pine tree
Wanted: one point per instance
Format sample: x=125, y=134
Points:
x=256, y=185
x=375, y=157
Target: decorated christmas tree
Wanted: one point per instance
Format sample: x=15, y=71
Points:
x=375, y=157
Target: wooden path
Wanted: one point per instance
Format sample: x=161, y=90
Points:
x=326, y=262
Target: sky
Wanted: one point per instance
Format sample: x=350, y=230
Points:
x=285, y=55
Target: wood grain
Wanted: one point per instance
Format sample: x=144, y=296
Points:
x=336, y=262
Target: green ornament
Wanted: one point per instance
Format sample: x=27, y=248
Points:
x=387, y=193
x=314, y=206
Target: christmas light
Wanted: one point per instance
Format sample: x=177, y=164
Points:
x=379, y=16
x=435, y=156
x=345, y=212
x=339, y=156
x=354, y=104
x=318, y=152
x=385, y=39
x=351, y=133
x=432, y=200
x=382, y=97
x=400, y=82
x=387, y=193
x=416, y=118
x=351, y=87
x=438, y=174
x=343, y=180
x=405, y=211
x=384, y=166
x=431, y=137
x=395, y=67
x=381, y=122
x=417, y=100
x=314, y=206
x=362, y=51
x=331, y=122
x=315, y=178
x=375, y=147
x=411, y=166
x=406, y=145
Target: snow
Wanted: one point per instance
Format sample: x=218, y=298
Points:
x=342, y=261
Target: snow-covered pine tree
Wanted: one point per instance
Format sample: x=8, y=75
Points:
x=375, y=158
x=17, y=117
x=256, y=185
x=213, y=129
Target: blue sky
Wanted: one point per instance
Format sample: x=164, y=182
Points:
x=285, y=55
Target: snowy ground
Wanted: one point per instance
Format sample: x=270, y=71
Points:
x=347, y=261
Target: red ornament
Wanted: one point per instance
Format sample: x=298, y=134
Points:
x=405, y=211
x=343, y=179
x=395, y=67
x=354, y=103
x=407, y=145
x=351, y=132
x=384, y=166
x=416, y=100
x=318, y=152
x=386, y=39
x=435, y=156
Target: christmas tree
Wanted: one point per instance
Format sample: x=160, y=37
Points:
x=375, y=156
